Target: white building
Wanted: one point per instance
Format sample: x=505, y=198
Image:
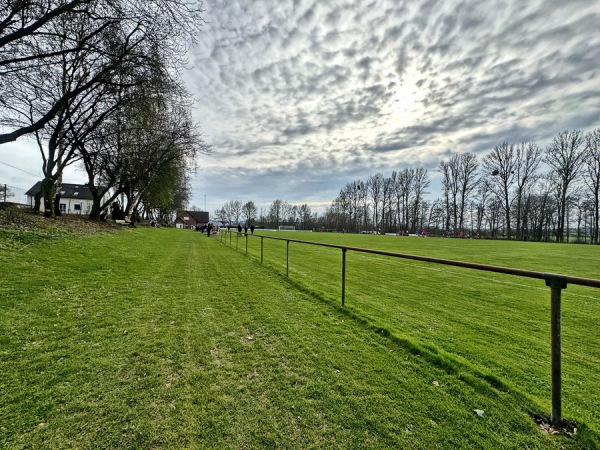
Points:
x=74, y=198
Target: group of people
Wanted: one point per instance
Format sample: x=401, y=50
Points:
x=208, y=229
x=239, y=229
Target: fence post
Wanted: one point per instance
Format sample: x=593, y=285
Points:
x=246, y=244
x=287, y=259
x=343, y=276
x=261, y=249
x=237, y=238
x=557, y=284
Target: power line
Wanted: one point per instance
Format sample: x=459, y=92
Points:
x=24, y=171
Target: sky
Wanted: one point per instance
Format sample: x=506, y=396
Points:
x=298, y=98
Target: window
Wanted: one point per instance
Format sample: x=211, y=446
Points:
x=62, y=207
x=77, y=207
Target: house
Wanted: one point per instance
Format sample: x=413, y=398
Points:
x=191, y=219
x=74, y=198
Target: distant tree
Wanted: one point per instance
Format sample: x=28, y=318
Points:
x=467, y=181
x=528, y=158
x=420, y=182
x=375, y=187
x=220, y=215
x=592, y=180
x=543, y=208
x=275, y=213
x=484, y=192
x=500, y=168
x=167, y=192
x=5, y=193
x=566, y=156
x=286, y=213
x=305, y=215
x=386, y=203
x=249, y=212
x=436, y=216
x=450, y=183
x=234, y=209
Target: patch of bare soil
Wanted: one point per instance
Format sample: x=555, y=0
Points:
x=568, y=427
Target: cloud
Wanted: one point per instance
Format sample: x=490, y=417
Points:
x=299, y=98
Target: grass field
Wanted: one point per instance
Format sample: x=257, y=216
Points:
x=496, y=325
x=164, y=338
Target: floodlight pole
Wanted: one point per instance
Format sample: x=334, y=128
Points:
x=556, y=283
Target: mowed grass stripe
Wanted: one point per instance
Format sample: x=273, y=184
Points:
x=497, y=324
x=167, y=339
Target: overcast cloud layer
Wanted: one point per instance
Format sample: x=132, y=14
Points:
x=300, y=97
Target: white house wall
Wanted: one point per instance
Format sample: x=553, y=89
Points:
x=86, y=205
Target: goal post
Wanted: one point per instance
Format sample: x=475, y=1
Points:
x=287, y=228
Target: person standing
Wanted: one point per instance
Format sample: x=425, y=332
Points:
x=252, y=229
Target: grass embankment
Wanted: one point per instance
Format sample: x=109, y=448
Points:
x=163, y=338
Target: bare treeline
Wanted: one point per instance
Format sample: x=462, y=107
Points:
x=517, y=191
x=97, y=82
x=278, y=213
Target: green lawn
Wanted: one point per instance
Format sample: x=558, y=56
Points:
x=496, y=326
x=164, y=338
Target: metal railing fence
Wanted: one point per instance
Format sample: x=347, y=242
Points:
x=556, y=283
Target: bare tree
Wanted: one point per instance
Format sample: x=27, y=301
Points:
x=467, y=181
x=276, y=212
x=527, y=161
x=566, y=156
x=221, y=215
x=305, y=215
x=459, y=181
x=500, y=166
x=420, y=182
x=36, y=36
x=444, y=169
x=375, y=187
x=386, y=203
x=436, y=215
x=484, y=190
x=5, y=193
x=402, y=184
x=249, y=212
x=592, y=180
x=235, y=206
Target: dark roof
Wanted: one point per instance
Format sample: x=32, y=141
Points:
x=68, y=190
x=198, y=216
